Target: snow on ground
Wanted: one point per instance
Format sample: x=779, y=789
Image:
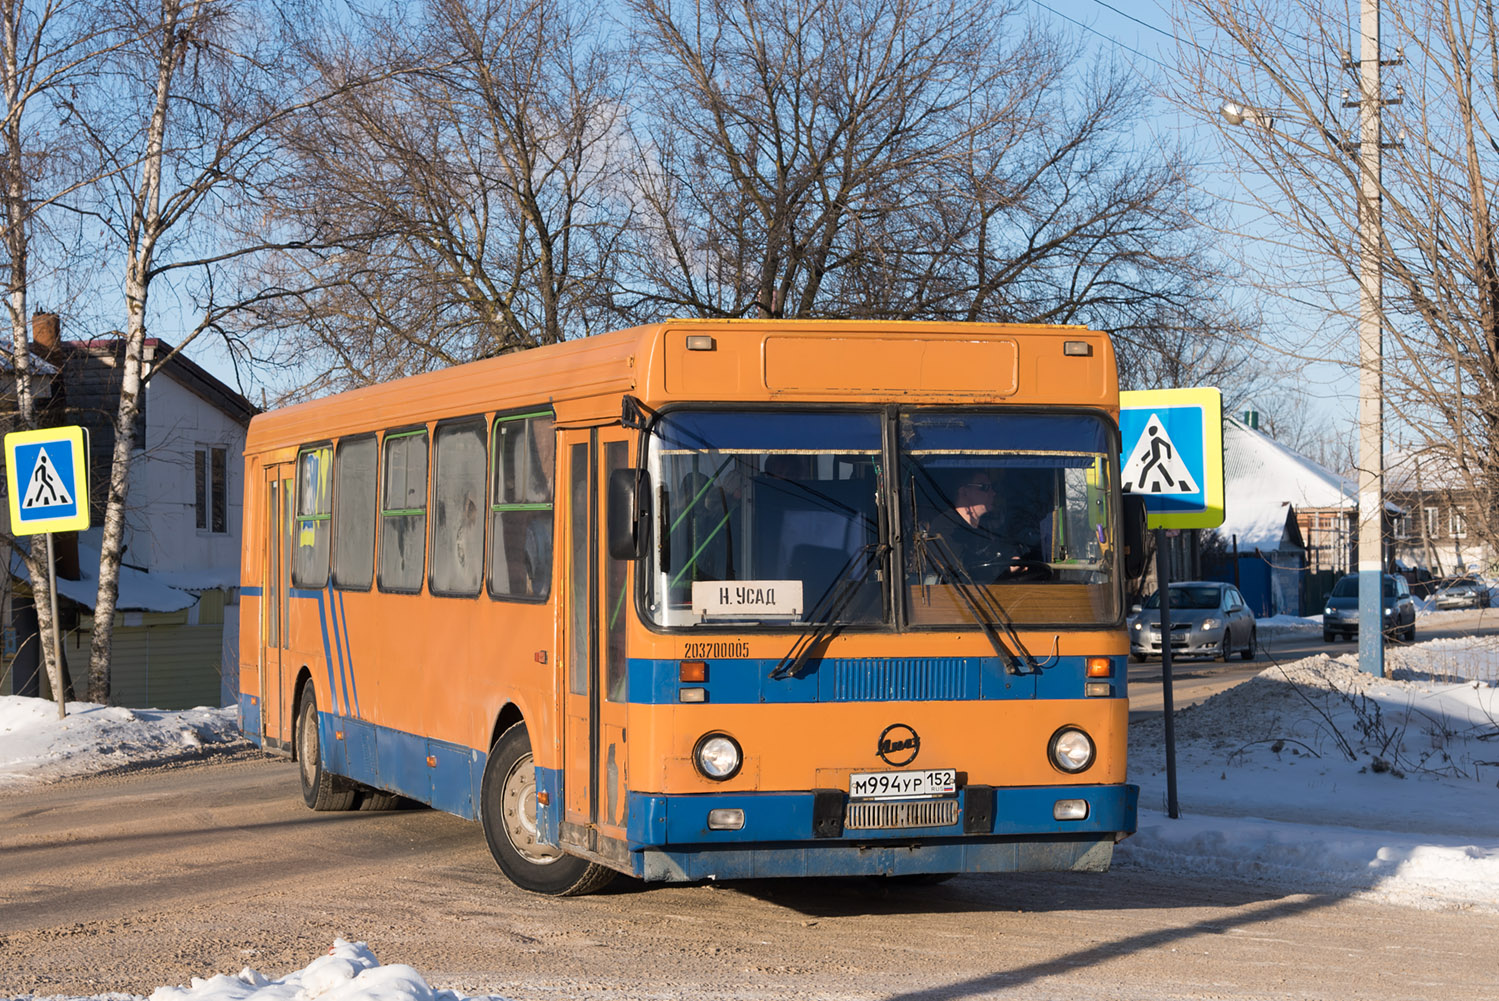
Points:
x=1310, y=777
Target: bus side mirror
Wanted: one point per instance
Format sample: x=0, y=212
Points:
x=629, y=517
x=1133, y=535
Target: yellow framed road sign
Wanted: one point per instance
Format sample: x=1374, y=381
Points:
x=1172, y=441
x=46, y=472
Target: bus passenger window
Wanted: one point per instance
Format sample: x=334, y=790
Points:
x=314, y=514
x=520, y=530
x=354, y=482
x=403, y=512
x=459, y=467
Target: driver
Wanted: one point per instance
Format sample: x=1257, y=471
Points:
x=975, y=537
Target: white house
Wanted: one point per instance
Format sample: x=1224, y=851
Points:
x=175, y=630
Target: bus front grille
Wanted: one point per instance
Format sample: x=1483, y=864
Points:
x=910, y=813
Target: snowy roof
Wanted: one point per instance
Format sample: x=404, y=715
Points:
x=1263, y=480
x=139, y=591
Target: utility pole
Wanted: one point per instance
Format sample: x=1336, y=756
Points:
x=1371, y=350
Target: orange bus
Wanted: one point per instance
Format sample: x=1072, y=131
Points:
x=710, y=599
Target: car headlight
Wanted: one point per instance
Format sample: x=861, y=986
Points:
x=1139, y=626
x=717, y=756
x=1071, y=750
x=1211, y=623
x=1389, y=611
x=1329, y=610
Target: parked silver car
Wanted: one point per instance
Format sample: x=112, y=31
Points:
x=1208, y=619
x=1340, y=616
x=1461, y=592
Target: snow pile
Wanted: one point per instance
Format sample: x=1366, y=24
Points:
x=348, y=972
x=36, y=746
x=1317, y=776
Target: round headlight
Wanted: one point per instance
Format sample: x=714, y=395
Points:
x=717, y=756
x=1211, y=623
x=1328, y=610
x=1071, y=750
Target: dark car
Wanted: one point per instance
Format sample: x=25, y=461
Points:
x=1340, y=617
x=1461, y=592
x=1208, y=619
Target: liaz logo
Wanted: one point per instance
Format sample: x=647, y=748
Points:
x=899, y=745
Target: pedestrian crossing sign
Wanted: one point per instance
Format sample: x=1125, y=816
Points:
x=46, y=477
x=1172, y=456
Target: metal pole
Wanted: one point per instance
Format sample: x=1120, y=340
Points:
x=1371, y=350
x=59, y=686
x=1162, y=579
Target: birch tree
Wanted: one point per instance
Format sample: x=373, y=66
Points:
x=182, y=123
x=46, y=49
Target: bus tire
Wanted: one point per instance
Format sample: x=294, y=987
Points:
x=321, y=789
x=507, y=812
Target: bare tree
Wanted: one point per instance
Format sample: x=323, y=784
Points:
x=46, y=48
x=181, y=121
x=1288, y=62
x=476, y=190
x=906, y=158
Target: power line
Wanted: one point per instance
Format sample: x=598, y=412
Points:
x=1108, y=38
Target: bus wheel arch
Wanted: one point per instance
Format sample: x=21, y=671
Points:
x=507, y=813
x=298, y=692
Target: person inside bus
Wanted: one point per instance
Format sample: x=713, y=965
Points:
x=979, y=538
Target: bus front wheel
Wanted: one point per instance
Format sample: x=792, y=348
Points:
x=321, y=789
x=507, y=813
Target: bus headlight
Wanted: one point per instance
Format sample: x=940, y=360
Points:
x=717, y=756
x=1071, y=750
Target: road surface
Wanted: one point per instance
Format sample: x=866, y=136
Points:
x=138, y=881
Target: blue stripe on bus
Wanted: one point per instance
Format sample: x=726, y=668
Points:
x=449, y=776
x=866, y=679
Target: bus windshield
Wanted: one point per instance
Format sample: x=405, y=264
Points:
x=761, y=515
x=772, y=519
x=1015, y=505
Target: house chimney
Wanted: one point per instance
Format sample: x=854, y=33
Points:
x=46, y=333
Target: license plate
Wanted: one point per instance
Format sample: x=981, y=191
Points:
x=895, y=785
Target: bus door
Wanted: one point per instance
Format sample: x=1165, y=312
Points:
x=597, y=606
x=275, y=580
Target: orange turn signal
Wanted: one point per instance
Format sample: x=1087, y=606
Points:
x=693, y=670
x=1100, y=667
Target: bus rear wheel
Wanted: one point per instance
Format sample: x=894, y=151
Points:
x=507, y=812
x=321, y=789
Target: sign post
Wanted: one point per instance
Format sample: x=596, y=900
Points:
x=46, y=475
x=1172, y=441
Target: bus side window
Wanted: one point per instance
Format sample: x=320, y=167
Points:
x=314, y=516
x=520, y=529
x=354, y=483
x=458, y=470
x=403, y=512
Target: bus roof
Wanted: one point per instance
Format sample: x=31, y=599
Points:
x=844, y=361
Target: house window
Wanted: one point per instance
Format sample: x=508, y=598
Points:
x=1432, y=525
x=1457, y=521
x=1402, y=526
x=210, y=473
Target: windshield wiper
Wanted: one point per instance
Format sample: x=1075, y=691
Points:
x=981, y=603
x=829, y=611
